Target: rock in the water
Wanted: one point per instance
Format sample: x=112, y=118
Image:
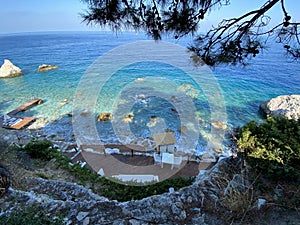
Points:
x=219, y=124
x=60, y=104
x=128, y=118
x=139, y=79
x=9, y=70
x=104, y=116
x=45, y=67
x=284, y=105
x=183, y=129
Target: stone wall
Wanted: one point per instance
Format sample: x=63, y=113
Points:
x=196, y=204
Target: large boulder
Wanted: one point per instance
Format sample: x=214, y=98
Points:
x=9, y=70
x=284, y=105
x=45, y=67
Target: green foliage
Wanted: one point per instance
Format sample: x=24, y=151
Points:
x=123, y=192
x=30, y=216
x=272, y=147
x=40, y=150
x=41, y=175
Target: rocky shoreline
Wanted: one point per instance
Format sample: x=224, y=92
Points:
x=221, y=195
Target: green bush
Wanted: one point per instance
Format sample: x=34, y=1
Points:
x=30, y=216
x=121, y=192
x=40, y=150
x=272, y=147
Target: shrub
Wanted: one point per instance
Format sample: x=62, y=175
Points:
x=272, y=147
x=121, y=192
x=30, y=215
x=40, y=150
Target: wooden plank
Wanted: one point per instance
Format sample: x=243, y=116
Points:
x=25, y=106
x=25, y=121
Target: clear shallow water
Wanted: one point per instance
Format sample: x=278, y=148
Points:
x=243, y=88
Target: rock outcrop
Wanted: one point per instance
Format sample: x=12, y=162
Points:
x=9, y=70
x=45, y=67
x=104, y=116
x=284, y=105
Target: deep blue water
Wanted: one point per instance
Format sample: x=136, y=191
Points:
x=243, y=88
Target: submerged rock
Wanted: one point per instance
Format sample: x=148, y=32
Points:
x=128, y=118
x=45, y=67
x=183, y=129
x=284, y=105
x=139, y=79
x=104, y=116
x=60, y=104
x=218, y=124
x=9, y=70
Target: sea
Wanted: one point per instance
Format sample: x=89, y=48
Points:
x=240, y=89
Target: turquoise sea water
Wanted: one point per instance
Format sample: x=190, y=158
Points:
x=243, y=88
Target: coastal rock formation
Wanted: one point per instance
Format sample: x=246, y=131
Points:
x=104, y=116
x=45, y=67
x=9, y=70
x=284, y=105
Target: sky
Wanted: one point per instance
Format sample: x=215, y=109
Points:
x=41, y=15
x=63, y=15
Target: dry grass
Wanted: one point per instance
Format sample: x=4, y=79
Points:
x=4, y=180
x=236, y=192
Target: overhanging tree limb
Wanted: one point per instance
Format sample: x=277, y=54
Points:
x=234, y=40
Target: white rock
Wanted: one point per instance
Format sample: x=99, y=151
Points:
x=284, y=105
x=171, y=190
x=9, y=70
x=261, y=202
x=86, y=221
x=6, y=138
x=81, y=215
